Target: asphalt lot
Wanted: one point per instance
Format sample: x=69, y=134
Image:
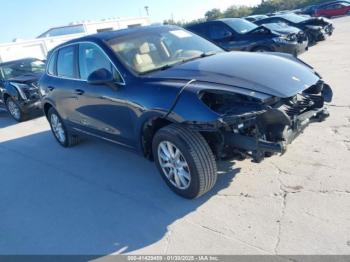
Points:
x=99, y=199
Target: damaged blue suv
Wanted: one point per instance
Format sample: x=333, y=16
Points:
x=179, y=100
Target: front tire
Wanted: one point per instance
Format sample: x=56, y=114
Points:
x=59, y=130
x=185, y=161
x=14, y=109
x=261, y=49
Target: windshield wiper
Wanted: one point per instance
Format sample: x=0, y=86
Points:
x=202, y=55
x=167, y=66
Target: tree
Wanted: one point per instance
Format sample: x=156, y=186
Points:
x=237, y=11
x=213, y=14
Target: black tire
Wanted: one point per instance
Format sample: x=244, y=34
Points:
x=311, y=39
x=261, y=49
x=70, y=140
x=197, y=154
x=22, y=116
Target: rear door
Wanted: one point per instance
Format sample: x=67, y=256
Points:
x=62, y=85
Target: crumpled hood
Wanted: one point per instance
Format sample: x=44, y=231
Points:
x=26, y=78
x=281, y=76
x=284, y=30
x=262, y=30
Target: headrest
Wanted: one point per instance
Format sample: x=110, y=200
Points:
x=118, y=47
x=144, y=48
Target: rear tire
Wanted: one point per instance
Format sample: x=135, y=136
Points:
x=60, y=131
x=195, y=159
x=14, y=109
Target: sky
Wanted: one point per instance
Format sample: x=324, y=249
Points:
x=27, y=19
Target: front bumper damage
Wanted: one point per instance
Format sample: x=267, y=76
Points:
x=262, y=133
x=259, y=146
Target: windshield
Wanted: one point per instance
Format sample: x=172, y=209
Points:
x=294, y=18
x=22, y=67
x=241, y=26
x=148, y=51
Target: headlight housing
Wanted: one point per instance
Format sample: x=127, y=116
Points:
x=281, y=40
x=26, y=91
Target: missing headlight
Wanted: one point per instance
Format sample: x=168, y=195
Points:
x=230, y=103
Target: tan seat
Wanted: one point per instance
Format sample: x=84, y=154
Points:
x=143, y=60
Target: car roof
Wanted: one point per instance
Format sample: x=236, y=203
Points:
x=18, y=61
x=211, y=21
x=106, y=36
x=229, y=19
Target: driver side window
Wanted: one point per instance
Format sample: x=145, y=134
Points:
x=91, y=58
x=218, y=32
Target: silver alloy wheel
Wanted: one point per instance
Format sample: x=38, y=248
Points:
x=14, y=109
x=174, y=165
x=57, y=128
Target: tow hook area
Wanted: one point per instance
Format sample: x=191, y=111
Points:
x=258, y=147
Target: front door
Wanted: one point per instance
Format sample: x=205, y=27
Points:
x=102, y=109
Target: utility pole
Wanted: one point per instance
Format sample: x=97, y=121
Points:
x=146, y=8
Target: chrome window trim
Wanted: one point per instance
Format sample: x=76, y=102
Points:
x=82, y=80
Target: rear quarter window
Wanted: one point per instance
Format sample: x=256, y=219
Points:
x=65, y=62
x=51, y=67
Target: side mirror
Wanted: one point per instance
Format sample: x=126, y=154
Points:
x=101, y=77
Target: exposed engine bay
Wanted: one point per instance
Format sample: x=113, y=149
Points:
x=257, y=128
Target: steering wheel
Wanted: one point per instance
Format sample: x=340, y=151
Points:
x=177, y=53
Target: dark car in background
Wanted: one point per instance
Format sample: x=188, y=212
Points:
x=290, y=31
x=335, y=9
x=179, y=99
x=316, y=29
x=241, y=35
x=19, y=92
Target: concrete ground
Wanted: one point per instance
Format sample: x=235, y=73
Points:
x=99, y=199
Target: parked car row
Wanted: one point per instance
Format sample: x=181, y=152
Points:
x=316, y=29
x=287, y=33
x=240, y=34
x=176, y=98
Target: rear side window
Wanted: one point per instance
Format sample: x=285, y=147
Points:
x=52, y=63
x=218, y=31
x=198, y=29
x=65, y=62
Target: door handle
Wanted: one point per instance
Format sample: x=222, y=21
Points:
x=51, y=88
x=79, y=92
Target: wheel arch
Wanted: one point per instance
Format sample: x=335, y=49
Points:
x=46, y=108
x=10, y=91
x=148, y=129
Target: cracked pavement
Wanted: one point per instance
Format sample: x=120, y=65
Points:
x=99, y=199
